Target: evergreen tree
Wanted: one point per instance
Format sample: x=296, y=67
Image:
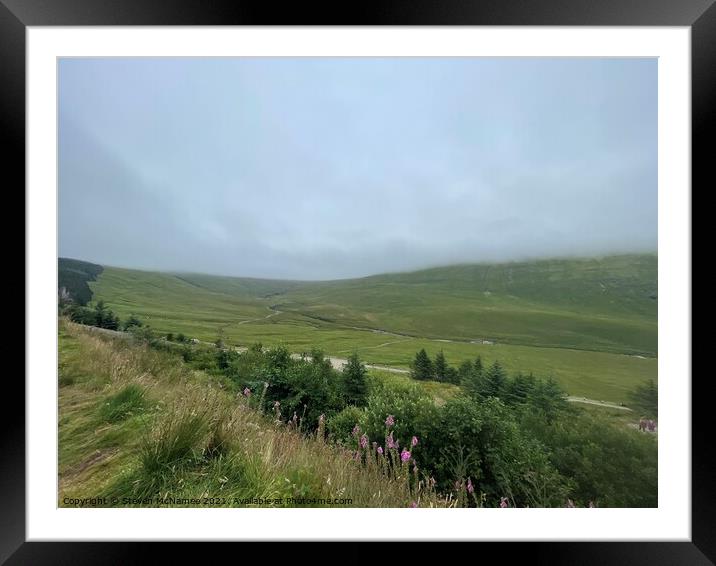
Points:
x=105, y=318
x=452, y=376
x=422, y=366
x=519, y=389
x=355, y=388
x=478, y=365
x=132, y=321
x=495, y=381
x=475, y=384
x=440, y=367
x=464, y=371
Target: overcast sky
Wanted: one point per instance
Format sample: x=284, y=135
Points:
x=328, y=168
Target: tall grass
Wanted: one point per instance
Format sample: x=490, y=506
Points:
x=200, y=441
x=130, y=400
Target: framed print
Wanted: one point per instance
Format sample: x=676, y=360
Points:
x=420, y=276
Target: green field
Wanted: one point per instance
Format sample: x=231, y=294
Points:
x=589, y=323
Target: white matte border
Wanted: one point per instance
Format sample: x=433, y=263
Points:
x=670, y=521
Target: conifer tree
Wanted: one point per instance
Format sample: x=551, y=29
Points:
x=355, y=389
x=440, y=367
x=422, y=366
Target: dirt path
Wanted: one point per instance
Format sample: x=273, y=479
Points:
x=599, y=403
x=273, y=313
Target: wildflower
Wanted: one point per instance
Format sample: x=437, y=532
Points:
x=380, y=450
x=390, y=421
x=356, y=430
x=503, y=502
x=247, y=392
x=414, y=441
x=404, y=455
x=414, y=504
x=363, y=441
x=470, y=488
x=390, y=442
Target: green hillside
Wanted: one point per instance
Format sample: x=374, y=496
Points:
x=607, y=304
x=590, y=323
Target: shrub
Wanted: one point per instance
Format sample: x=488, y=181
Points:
x=341, y=424
x=482, y=442
x=410, y=408
x=132, y=322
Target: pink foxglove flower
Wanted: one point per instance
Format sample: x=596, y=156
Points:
x=503, y=502
x=247, y=392
x=363, y=441
x=470, y=487
x=404, y=455
x=390, y=421
x=355, y=431
x=380, y=450
x=414, y=441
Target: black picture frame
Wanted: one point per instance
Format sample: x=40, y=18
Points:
x=17, y=15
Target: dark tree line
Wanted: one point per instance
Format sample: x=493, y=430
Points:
x=101, y=316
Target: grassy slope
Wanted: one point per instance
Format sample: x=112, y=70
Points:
x=596, y=304
x=181, y=434
x=592, y=314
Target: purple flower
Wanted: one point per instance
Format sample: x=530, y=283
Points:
x=503, y=502
x=380, y=450
x=390, y=421
x=390, y=443
x=355, y=431
x=414, y=504
x=247, y=392
x=470, y=488
x=363, y=441
x=404, y=455
x=414, y=441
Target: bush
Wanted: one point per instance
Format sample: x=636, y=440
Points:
x=483, y=442
x=611, y=466
x=410, y=408
x=307, y=389
x=341, y=424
